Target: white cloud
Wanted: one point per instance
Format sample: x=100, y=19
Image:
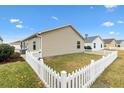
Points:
x=16, y=21
x=111, y=33
x=55, y=18
x=114, y=33
x=19, y=26
x=110, y=8
x=120, y=22
x=108, y=24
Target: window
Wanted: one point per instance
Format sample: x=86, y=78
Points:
x=94, y=45
x=101, y=45
x=78, y=44
x=21, y=45
x=34, y=45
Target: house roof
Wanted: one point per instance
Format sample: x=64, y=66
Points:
x=108, y=40
x=16, y=42
x=51, y=30
x=119, y=41
x=91, y=39
x=1, y=39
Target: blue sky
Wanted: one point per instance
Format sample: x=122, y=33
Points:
x=18, y=22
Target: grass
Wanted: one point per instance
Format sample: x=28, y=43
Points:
x=70, y=62
x=18, y=75
x=113, y=76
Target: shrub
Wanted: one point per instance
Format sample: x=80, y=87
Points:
x=87, y=47
x=5, y=51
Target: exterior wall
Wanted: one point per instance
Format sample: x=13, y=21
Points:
x=111, y=44
x=98, y=42
x=1, y=42
x=29, y=44
x=17, y=48
x=122, y=44
x=61, y=42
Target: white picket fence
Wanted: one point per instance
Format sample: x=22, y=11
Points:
x=82, y=78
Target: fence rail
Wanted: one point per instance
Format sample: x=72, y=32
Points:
x=81, y=78
x=115, y=48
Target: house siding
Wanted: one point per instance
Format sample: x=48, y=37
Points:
x=29, y=43
x=111, y=44
x=63, y=41
x=122, y=44
x=1, y=41
x=98, y=42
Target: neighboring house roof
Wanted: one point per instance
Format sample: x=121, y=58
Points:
x=16, y=43
x=107, y=41
x=119, y=41
x=1, y=39
x=91, y=39
x=39, y=33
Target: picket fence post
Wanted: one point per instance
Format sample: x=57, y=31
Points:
x=63, y=79
x=93, y=69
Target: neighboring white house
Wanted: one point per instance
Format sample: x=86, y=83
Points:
x=1, y=40
x=120, y=43
x=17, y=45
x=95, y=42
x=58, y=41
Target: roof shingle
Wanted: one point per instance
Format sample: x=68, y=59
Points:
x=108, y=40
x=91, y=39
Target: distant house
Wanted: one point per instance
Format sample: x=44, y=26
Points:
x=110, y=43
x=1, y=40
x=58, y=41
x=120, y=43
x=17, y=45
x=95, y=42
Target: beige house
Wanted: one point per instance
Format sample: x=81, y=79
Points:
x=110, y=43
x=58, y=41
x=17, y=45
x=1, y=40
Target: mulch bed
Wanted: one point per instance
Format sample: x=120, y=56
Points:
x=10, y=60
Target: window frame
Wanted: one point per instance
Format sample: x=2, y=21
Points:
x=101, y=46
x=34, y=45
x=94, y=45
x=78, y=44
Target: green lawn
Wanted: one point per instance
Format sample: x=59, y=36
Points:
x=113, y=76
x=70, y=62
x=18, y=74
